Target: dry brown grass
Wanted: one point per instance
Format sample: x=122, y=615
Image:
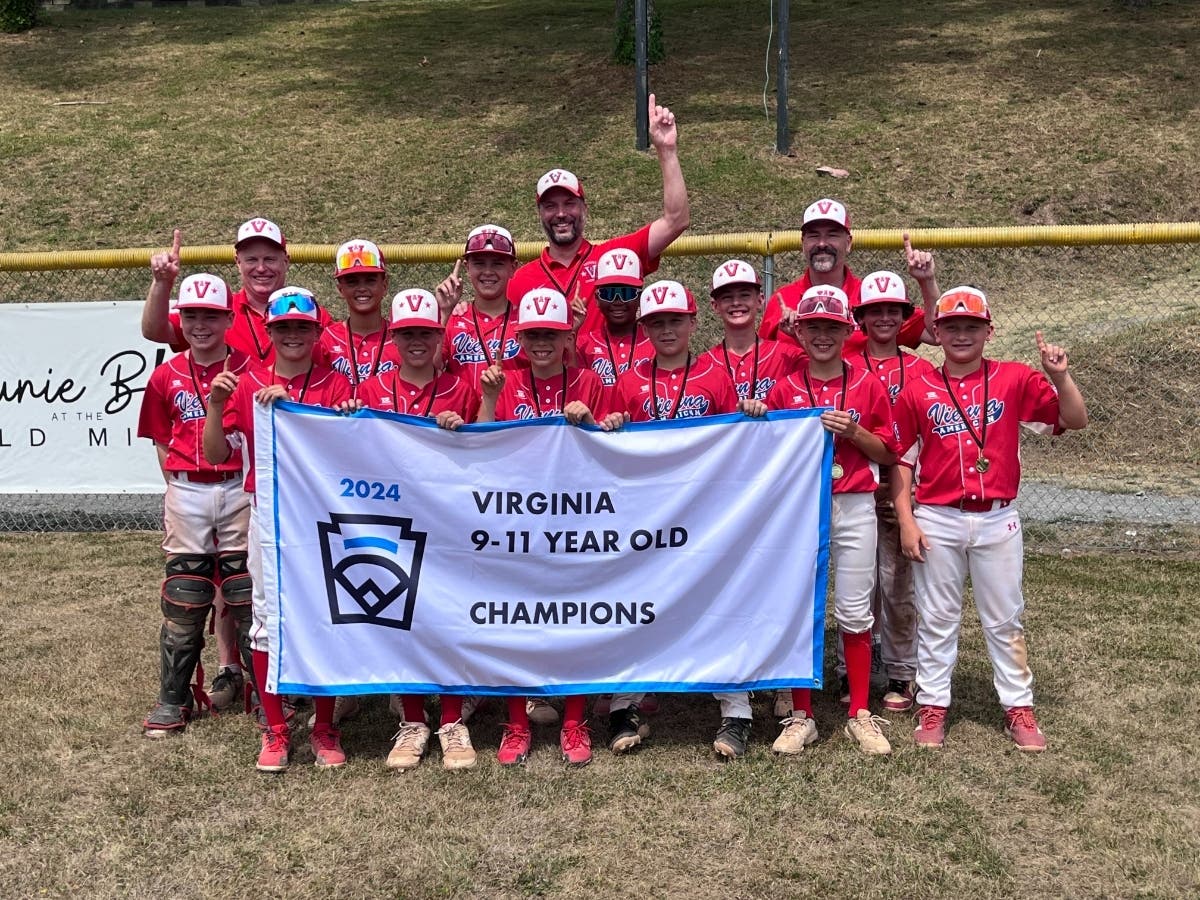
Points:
x=91, y=808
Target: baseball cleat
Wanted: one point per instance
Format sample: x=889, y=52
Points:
x=540, y=712
x=1022, y=727
x=326, y=743
x=409, y=747
x=865, y=729
x=576, y=744
x=226, y=688
x=273, y=757
x=733, y=738
x=625, y=729
x=514, y=746
x=798, y=732
x=931, y=727
x=899, y=695
x=457, y=752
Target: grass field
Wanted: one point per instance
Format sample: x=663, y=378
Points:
x=90, y=808
x=413, y=120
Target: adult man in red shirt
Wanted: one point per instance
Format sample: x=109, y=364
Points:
x=826, y=240
x=262, y=260
x=568, y=263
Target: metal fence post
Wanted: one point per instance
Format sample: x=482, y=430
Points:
x=768, y=275
x=641, y=37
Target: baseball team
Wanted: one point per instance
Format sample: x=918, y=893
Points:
x=925, y=471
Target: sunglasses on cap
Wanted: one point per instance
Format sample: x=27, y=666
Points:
x=490, y=242
x=832, y=306
x=963, y=303
x=618, y=293
x=301, y=303
x=359, y=256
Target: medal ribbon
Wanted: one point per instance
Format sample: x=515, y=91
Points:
x=487, y=355
x=687, y=369
x=981, y=435
x=407, y=408
x=753, y=395
x=537, y=406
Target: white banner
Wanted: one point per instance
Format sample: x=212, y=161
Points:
x=542, y=558
x=71, y=383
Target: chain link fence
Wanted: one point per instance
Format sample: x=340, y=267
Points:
x=1129, y=313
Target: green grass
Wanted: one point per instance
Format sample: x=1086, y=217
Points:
x=91, y=807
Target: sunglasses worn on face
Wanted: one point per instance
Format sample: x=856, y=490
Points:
x=618, y=293
x=301, y=303
x=490, y=242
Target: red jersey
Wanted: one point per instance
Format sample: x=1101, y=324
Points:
x=894, y=372
x=391, y=393
x=759, y=369
x=609, y=355
x=526, y=397
x=357, y=357
x=467, y=335
x=789, y=296
x=857, y=392
x=248, y=332
x=577, y=278
x=174, y=406
x=699, y=388
x=319, y=386
x=935, y=440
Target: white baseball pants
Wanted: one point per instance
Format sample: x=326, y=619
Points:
x=989, y=547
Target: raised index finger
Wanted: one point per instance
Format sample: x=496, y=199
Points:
x=1041, y=342
x=652, y=104
x=457, y=263
x=176, y=240
x=908, y=248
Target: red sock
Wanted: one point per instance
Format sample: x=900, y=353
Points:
x=272, y=704
x=802, y=701
x=323, y=707
x=451, y=709
x=414, y=708
x=574, y=709
x=858, y=668
x=517, y=717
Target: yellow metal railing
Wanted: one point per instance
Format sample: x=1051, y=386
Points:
x=757, y=243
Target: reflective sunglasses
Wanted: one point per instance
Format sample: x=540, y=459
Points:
x=618, y=293
x=359, y=256
x=490, y=242
x=831, y=306
x=963, y=303
x=301, y=303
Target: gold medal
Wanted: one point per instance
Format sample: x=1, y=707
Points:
x=837, y=471
x=982, y=464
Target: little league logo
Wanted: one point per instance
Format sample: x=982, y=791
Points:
x=372, y=567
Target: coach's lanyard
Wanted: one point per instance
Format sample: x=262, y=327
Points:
x=354, y=379
x=537, y=406
x=196, y=381
x=428, y=406
x=303, y=387
x=262, y=354
x=612, y=357
x=654, y=384
x=503, y=335
x=841, y=403
x=575, y=269
x=753, y=395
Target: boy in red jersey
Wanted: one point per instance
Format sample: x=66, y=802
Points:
x=859, y=417
x=958, y=429
x=358, y=349
x=616, y=342
x=293, y=324
x=205, y=511
x=675, y=384
x=418, y=389
x=483, y=332
x=883, y=308
x=755, y=364
x=547, y=388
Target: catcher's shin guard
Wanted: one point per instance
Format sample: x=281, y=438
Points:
x=237, y=589
x=187, y=596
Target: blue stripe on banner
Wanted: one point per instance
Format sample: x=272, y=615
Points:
x=557, y=690
x=377, y=542
x=276, y=658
